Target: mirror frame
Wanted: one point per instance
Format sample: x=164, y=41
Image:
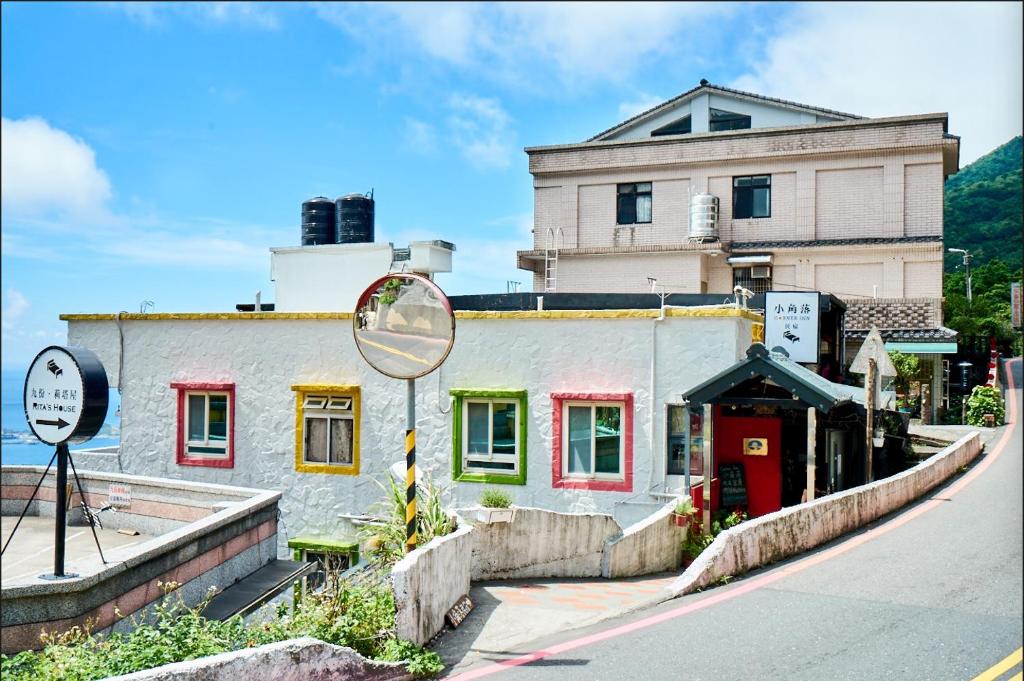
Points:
x=364, y=298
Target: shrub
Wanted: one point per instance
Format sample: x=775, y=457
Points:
x=386, y=540
x=984, y=400
x=495, y=498
x=359, y=617
x=696, y=541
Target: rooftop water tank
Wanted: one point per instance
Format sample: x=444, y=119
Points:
x=355, y=219
x=318, y=222
x=704, y=217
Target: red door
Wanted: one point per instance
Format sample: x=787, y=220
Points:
x=755, y=442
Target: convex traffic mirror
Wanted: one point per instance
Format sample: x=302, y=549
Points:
x=404, y=326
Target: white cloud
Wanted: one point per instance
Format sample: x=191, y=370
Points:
x=163, y=248
x=520, y=43
x=47, y=171
x=886, y=59
x=481, y=129
x=420, y=137
x=642, y=103
x=15, y=305
x=151, y=14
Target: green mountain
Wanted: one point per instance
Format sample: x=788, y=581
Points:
x=983, y=209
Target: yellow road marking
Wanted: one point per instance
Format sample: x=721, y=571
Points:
x=394, y=351
x=998, y=668
x=1018, y=676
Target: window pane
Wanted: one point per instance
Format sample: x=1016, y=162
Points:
x=579, y=440
x=197, y=418
x=743, y=202
x=477, y=421
x=608, y=433
x=627, y=209
x=218, y=418
x=493, y=465
x=643, y=208
x=676, y=455
x=316, y=440
x=760, y=202
x=643, y=187
x=341, y=441
x=505, y=428
x=677, y=420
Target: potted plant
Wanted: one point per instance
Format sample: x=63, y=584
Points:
x=495, y=507
x=683, y=513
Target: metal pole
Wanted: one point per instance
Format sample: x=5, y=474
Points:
x=812, y=443
x=410, y=465
x=967, y=266
x=60, y=520
x=869, y=451
x=705, y=503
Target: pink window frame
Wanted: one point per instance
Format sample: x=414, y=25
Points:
x=558, y=481
x=182, y=457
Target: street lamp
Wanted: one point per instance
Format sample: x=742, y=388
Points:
x=967, y=266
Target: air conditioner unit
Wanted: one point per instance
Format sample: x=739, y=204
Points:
x=763, y=272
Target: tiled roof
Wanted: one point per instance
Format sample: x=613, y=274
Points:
x=907, y=335
x=861, y=241
x=893, y=313
x=722, y=88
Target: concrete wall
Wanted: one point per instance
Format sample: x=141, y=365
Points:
x=793, y=530
x=542, y=353
x=325, y=278
x=299, y=659
x=654, y=544
x=540, y=543
x=215, y=536
x=428, y=582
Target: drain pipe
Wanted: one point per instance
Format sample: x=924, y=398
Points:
x=654, y=400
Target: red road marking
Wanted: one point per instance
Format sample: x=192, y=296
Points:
x=765, y=580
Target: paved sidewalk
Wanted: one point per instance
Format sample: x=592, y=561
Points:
x=509, y=614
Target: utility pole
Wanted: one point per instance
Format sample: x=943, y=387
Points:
x=967, y=269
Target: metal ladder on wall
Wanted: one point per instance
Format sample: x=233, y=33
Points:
x=555, y=239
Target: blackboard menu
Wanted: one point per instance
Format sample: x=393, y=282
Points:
x=733, y=485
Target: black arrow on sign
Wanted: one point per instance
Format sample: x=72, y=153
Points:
x=60, y=423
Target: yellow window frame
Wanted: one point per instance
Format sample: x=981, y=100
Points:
x=301, y=391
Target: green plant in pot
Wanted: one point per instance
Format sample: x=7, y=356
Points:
x=496, y=506
x=684, y=513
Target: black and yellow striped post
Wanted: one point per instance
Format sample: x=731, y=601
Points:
x=410, y=466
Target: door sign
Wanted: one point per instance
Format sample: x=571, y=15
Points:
x=65, y=395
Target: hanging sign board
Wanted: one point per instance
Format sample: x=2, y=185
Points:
x=791, y=322
x=1015, y=304
x=65, y=395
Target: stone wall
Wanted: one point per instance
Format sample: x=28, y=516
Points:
x=654, y=544
x=796, y=529
x=540, y=543
x=299, y=659
x=428, y=582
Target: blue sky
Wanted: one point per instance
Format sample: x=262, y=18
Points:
x=156, y=151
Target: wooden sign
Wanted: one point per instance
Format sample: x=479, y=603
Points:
x=459, y=611
x=755, y=446
x=733, y=485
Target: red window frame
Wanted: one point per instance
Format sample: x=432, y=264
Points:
x=182, y=456
x=559, y=481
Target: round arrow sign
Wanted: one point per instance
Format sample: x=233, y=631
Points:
x=66, y=395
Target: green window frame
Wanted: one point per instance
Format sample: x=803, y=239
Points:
x=470, y=466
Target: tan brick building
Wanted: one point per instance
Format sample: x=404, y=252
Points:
x=808, y=199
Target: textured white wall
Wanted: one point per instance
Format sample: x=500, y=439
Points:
x=264, y=357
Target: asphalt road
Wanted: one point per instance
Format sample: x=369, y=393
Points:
x=935, y=593
x=400, y=354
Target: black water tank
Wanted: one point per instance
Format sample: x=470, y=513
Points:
x=355, y=219
x=318, y=222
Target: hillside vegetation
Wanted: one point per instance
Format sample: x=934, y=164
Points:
x=983, y=209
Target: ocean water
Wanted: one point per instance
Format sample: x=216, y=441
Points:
x=12, y=419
